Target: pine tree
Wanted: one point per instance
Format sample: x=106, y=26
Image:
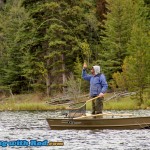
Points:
x=136, y=66
x=138, y=63
x=56, y=29
x=11, y=18
x=117, y=32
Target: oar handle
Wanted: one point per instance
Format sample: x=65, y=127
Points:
x=83, y=104
x=92, y=99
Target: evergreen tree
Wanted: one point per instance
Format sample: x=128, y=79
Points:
x=138, y=70
x=11, y=18
x=56, y=29
x=117, y=32
x=136, y=66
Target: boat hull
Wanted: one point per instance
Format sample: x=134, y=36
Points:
x=99, y=123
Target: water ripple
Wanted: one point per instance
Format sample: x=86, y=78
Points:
x=32, y=125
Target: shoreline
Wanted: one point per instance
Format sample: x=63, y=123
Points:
x=37, y=102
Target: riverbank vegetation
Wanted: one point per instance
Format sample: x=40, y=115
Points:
x=28, y=102
x=38, y=102
x=123, y=103
x=43, y=45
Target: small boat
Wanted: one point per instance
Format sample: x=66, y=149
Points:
x=78, y=119
x=97, y=122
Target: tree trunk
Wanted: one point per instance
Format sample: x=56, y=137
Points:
x=63, y=74
x=48, y=80
x=141, y=95
x=101, y=9
x=1, y=3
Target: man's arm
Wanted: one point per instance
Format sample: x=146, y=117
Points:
x=104, y=85
x=86, y=76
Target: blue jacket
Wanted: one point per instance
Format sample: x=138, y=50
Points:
x=98, y=83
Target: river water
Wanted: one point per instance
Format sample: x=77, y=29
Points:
x=29, y=126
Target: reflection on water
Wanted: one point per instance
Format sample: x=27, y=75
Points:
x=32, y=125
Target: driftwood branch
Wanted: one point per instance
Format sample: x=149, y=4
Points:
x=64, y=99
x=69, y=99
x=118, y=95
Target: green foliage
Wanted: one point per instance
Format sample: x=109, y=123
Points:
x=77, y=68
x=86, y=51
x=84, y=86
x=56, y=29
x=43, y=42
x=73, y=87
x=120, y=82
x=121, y=104
x=136, y=68
x=117, y=33
x=139, y=50
x=11, y=19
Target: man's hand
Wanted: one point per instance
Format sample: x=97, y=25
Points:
x=84, y=65
x=101, y=95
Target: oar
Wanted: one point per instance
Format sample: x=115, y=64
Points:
x=92, y=99
x=81, y=102
x=104, y=114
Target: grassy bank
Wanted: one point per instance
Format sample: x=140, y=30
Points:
x=28, y=102
x=38, y=102
x=125, y=103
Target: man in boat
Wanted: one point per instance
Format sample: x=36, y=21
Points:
x=98, y=86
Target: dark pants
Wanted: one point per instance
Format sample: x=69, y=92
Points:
x=97, y=106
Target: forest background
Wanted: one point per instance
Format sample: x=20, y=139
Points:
x=44, y=43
